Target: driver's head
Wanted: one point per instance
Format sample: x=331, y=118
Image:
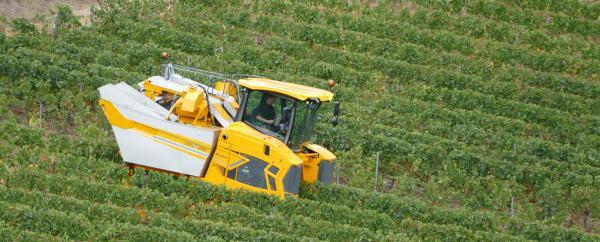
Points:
x=269, y=99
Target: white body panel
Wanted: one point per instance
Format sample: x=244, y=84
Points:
x=183, y=80
x=158, y=153
x=224, y=121
x=155, y=151
x=161, y=82
x=124, y=95
x=204, y=135
x=227, y=105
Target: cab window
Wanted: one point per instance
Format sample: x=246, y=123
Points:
x=268, y=113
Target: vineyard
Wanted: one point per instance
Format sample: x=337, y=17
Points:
x=480, y=117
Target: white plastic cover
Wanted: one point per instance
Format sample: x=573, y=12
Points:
x=150, y=150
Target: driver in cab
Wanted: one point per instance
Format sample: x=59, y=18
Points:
x=265, y=112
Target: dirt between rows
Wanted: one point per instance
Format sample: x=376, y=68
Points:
x=31, y=8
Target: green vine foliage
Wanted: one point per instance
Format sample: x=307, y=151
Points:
x=475, y=110
x=65, y=19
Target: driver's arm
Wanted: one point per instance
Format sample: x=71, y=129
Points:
x=264, y=120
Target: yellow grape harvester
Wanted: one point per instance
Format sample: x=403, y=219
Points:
x=241, y=131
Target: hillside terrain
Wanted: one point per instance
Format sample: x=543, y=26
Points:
x=33, y=8
x=484, y=116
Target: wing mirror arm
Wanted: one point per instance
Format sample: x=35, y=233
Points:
x=336, y=113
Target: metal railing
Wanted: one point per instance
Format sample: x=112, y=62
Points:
x=212, y=77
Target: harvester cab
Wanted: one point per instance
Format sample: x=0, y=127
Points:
x=251, y=132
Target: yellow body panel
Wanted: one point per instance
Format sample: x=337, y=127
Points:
x=311, y=161
x=218, y=108
x=296, y=91
x=226, y=87
x=324, y=154
x=244, y=140
x=192, y=100
x=153, y=91
x=191, y=108
x=216, y=172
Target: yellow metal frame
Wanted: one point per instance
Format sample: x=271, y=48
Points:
x=153, y=91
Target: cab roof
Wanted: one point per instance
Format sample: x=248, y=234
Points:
x=297, y=91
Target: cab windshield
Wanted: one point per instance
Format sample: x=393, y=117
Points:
x=272, y=115
x=268, y=113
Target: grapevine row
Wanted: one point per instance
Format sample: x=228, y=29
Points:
x=469, y=24
x=553, y=23
x=546, y=117
x=77, y=227
x=498, y=52
x=573, y=8
x=561, y=156
x=136, y=216
x=10, y=233
x=180, y=206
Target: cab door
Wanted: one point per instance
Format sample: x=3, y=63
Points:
x=251, y=164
